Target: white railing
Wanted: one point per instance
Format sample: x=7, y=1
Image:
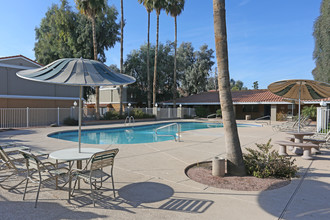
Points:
x=323, y=120
x=176, y=136
x=34, y=117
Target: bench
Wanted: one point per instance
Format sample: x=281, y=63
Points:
x=305, y=146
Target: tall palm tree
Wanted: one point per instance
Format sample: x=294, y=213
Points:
x=91, y=8
x=235, y=164
x=158, y=5
x=148, y=4
x=121, y=56
x=174, y=8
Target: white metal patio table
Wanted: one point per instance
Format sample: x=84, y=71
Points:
x=72, y=154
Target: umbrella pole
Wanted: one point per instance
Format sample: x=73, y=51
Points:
x=299, y=109
x=79, y=131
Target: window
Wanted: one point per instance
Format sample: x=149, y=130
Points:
x=250, y=108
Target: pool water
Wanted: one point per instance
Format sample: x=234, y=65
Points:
x=132, y=135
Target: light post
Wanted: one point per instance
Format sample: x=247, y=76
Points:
x=129, y=108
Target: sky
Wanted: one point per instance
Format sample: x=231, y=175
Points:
x=268, y=40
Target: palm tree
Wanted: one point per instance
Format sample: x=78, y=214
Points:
x=158, y=5
x=149, y=7
x=91, y=8
x=175, y=8
x=235, y=164
x=121, y=56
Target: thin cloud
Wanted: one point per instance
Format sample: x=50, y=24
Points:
x=244, y=2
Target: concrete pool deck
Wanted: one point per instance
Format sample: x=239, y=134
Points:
x=151, y=184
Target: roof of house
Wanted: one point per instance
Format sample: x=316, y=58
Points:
x=259, y=96
x=20, y=56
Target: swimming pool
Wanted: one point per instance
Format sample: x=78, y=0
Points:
x=132, y=135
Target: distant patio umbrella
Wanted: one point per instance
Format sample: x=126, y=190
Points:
x=77, y=72
x=300, y=89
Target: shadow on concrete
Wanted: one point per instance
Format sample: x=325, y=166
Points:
x=45, y=210
x=306, y=200
x=138, y=194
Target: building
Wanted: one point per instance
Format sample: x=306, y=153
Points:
x=247, y=103
x=16, y=92
x=109, y=98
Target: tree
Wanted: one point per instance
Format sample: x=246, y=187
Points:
x=174, y=8
x=195, y=67
x=136, y=66
x=148, y=4
x=255, y=85
x=158, y=5
x=321, y=35
x=92, y=8
x=64, y=33
x=121, y=56
x=55, y=36
x=235, y=164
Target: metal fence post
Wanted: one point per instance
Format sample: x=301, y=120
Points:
x=58, y=116
x=27, y=117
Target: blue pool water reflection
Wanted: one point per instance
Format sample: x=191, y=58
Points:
x=132, y=135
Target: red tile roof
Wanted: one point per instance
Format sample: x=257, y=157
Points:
x=17, y=56
x=246, y=96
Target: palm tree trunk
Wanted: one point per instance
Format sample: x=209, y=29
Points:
x=148, y=69
x=155, y=66
x=235, y=164
x=97, y=88
x=121, y=56
x=174, y=76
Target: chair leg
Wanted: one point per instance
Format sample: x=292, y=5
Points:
x=35, y=206
x=74, y=186
x=113, y=185
x=27, y=181
x=92, y=192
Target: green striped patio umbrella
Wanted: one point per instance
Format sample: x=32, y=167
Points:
x=77, y=72
x=300, y=89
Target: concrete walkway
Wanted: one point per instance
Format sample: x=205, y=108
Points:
x=151, y=183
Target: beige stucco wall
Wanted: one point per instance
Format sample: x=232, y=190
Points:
x=11, y=84
x=109, y=95
x=34, y=103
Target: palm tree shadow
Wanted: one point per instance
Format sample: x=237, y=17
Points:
x=309, y=199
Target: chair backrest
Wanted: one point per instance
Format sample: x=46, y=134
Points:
x=6, y=159
x=32, y=162
x=103, y=159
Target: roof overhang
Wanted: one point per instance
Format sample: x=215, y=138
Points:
x=37, y=97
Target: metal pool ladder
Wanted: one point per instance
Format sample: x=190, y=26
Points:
x=130, y=120
x=176, y=136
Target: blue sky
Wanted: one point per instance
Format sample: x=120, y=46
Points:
x=268, y=40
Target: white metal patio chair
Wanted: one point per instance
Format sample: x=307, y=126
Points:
x=93, y=173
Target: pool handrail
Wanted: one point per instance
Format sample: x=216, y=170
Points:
x=130, y=120
x=177, y=134
x=263, y=117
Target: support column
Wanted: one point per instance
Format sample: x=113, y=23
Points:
x=273, y=110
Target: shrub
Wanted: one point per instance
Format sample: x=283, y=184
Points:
x=309, y=111
x=201, y=111
x=111, y=115
x=263, y=163
x=219, y=113
x=70, y=121
x=138, y=113
x=281, y=116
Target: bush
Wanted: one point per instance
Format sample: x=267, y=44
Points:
x=263, y=163
x=219, y=113
x=201, y=111
x=111, y=115
x=138, y=113
x=70, y=121
x=309, y=111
